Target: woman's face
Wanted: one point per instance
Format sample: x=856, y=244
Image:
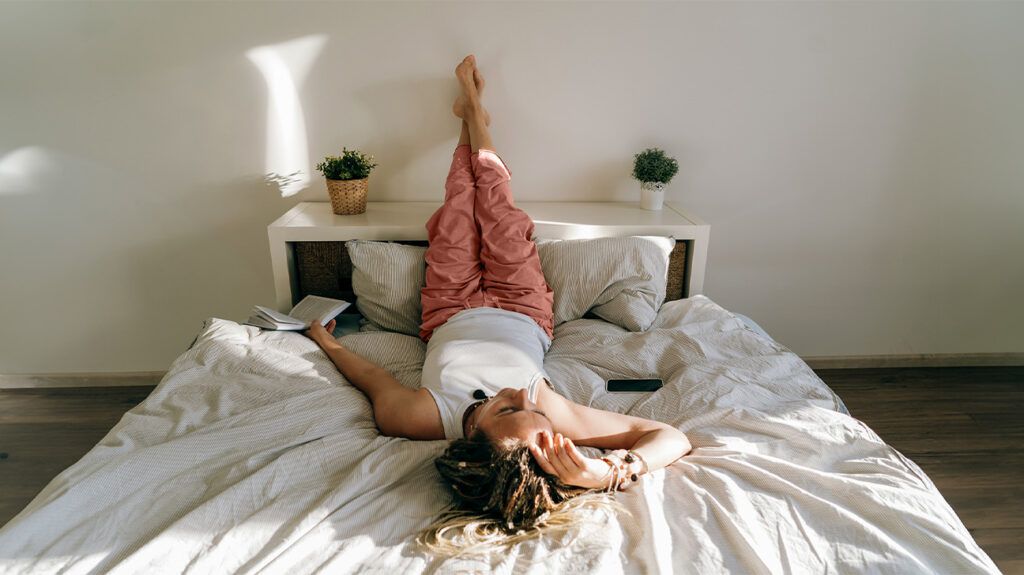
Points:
x=510, y=413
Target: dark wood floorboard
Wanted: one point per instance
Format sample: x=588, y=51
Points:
x=963, y=426
x=44, y=431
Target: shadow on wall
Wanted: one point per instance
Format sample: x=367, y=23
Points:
x=414, y=132
x=411, y=118
x=227, y=259
x=159, y=264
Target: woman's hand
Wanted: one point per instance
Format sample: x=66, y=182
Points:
x=320, y=333
x=559, y=457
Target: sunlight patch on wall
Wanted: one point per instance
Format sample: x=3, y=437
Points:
x=47, y=169
x=284, y=67
x=22, y=167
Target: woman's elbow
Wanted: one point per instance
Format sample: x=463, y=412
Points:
x=686, y=446
x=388, y=427
x=387, y=418
x=396, y=416
x=681, y=440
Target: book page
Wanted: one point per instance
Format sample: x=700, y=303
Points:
x=264, y=323
x=278, y=317
x=315, y=308
x=259, y=322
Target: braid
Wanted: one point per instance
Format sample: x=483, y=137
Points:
x=466, y=464
x=503, y=482
x=504, y=498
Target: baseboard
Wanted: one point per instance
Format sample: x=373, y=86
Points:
x=151, y=378
x=94, y=379
x=916, y=360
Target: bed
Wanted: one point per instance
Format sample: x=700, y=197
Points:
x=253, y=454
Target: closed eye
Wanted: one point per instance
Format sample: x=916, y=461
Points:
x=512, y=409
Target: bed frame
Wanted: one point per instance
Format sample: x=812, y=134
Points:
x=307, y=244
x=324, y=269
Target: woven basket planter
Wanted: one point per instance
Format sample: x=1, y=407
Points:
x=348, y=197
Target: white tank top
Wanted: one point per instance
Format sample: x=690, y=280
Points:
x=482, y=348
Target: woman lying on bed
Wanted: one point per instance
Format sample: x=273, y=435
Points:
x=487, y=318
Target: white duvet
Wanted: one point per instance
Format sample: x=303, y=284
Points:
x=255, y=455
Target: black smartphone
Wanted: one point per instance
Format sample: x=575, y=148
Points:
x=634, y=385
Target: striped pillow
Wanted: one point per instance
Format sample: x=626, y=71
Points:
x=387, y=279
x=621, y=280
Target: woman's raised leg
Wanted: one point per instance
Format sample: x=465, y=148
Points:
x=452, y=281
x=512, y=275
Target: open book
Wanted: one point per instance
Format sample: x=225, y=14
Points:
x=311, y=308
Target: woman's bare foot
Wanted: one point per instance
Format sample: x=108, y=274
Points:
x=472, y=83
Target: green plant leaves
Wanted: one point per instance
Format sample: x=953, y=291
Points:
x=652, y=165
x=350, y=165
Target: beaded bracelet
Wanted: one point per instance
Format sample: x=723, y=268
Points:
x=632, y=456
x=618, y=468
x=624, y=463
x=615, y=479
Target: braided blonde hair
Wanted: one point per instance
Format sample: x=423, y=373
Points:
x=504, y=497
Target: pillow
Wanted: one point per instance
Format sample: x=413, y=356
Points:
x=387, y=279
x=620, y=280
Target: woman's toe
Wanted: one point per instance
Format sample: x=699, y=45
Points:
x=478, y=79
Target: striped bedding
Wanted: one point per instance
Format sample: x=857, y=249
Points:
x=255, y=455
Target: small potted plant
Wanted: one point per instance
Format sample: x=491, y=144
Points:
x=654, y=169
x=348, y=178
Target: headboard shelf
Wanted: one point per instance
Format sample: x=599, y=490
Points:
x=308, y=254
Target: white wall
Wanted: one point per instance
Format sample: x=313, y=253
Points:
x=861, y=164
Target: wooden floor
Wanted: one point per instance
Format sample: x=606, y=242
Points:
x=963, y=426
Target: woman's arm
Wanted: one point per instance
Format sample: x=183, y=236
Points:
x=658, y=444
x=397, y=410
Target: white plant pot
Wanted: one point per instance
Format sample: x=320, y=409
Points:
x=652, y=195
